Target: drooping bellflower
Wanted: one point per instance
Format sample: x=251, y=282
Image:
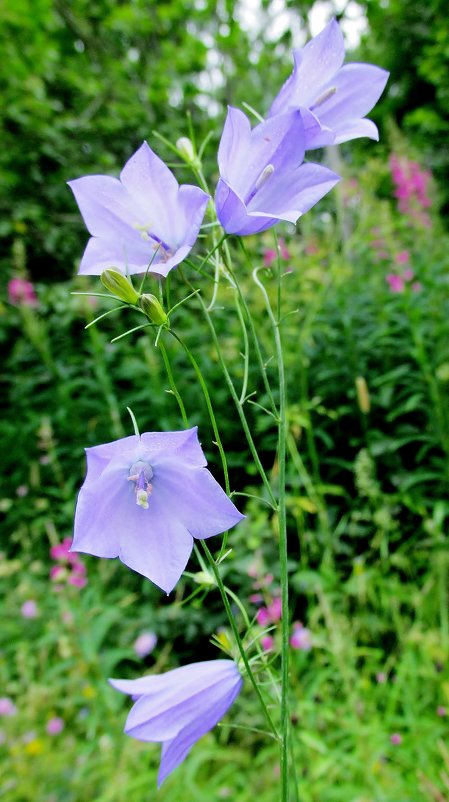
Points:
x=143, y=217
x=334, y=98
x=145, y=498
x=262, y=177
x=179, y=707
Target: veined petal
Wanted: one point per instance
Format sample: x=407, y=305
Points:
x=234, y=143
x=318, y=61
x=353, y=129
x=297, y=193
x=192, y=675
x=192, y=203
x=175, y=750
x=128, y=254
x=233, y=215
x=278, y=142
x=314, y=65
x=153, y=186
x=201, y=504
x=358, y=88
x=184, y=445
x=106, y=206
x=99, y=457
x=177, y=704
x=154, y=542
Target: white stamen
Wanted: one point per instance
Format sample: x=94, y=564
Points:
x=264, y=176
x=325, y=96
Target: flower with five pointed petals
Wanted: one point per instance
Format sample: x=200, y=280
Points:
x=145, y=498
x=143, y=217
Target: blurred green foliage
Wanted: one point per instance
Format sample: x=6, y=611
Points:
x=368, y=444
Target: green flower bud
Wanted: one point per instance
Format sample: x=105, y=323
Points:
x=119, y=285
x=150, y=305
x=187, y=152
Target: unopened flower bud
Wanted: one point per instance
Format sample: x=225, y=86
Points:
x=186, y=151
x=363, y=398
x=150, y=305
x=117, y=283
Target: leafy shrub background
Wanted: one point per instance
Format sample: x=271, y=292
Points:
x=368, y=491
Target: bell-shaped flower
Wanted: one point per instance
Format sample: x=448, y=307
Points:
x=179, y=707
x=262, y=177
x=333, y=98
x=145, y=498
x=143, y=217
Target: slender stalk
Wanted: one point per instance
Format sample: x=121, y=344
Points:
x=173, y=387
x=209, y=409
x=237, y=637
x=283, y=553
x=239, y=406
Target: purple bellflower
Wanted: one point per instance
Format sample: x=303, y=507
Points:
x=179, y=707
x=262, y=178
x=143, y=217
x=145, y=498
x=333, y=99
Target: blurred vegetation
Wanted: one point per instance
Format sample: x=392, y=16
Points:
x=368, y=468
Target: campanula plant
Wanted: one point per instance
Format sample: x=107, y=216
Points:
x=146, y=498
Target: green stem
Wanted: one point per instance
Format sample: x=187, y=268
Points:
x=238, y=405
x=283, y=553
x=237, y=637
x=209, y=409
x=173, y=387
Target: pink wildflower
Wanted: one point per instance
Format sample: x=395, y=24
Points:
x=301, y=638
x=55, y=725
x=7, y=707
x=441, y=711
x=267, y=643
x=395, y=282
x=408, y=274
x=381, y=677
x=145, y=643
x=29, y=609
x=396, y=739
x=263, y=617
x=402, y=258
x=275, y=609
x=21, y=292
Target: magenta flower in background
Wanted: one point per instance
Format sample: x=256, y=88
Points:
x=301, y=638
x=7, y=707
x=396, y=739
x=179, y=707
x=262, y=178
x=29, y=609
x=69, y=566
x=270, y=255
x=145, y=498
x=143, y=217
x=21, y=292
x=145, y=643
x=334, y=99
x=55, y=725
x=395, y=282
x=267, y=643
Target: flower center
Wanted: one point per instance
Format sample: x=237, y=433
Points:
x=141, y=473
x=157, y=244
x=322, y=98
